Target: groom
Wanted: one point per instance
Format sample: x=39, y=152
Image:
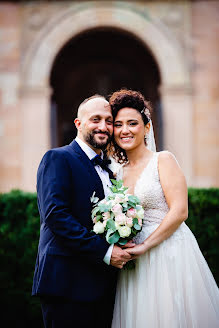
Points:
x=75, y=273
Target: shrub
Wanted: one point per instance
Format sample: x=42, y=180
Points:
x=19, y=233
x=204, y=222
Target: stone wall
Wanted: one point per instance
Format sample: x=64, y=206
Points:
x=10, y=111
x=205, y=79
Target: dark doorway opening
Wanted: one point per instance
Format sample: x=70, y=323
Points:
x=100, y=61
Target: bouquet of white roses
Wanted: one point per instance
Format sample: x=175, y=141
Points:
x=119, y=216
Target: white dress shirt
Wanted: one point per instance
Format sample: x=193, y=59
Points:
x=104, y=177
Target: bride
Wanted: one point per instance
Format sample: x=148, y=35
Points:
x=171, y=285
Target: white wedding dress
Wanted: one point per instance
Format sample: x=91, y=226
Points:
x=171, y=285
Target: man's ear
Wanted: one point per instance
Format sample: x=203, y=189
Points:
x=77, y=123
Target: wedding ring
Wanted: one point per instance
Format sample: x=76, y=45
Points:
x=123, y=263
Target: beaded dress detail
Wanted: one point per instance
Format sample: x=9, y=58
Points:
x=171, y=285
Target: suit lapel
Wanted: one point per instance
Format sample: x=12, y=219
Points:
x=88, y=165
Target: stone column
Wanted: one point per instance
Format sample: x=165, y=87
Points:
x=10, y=21
x=35, y=104
x=178, y=127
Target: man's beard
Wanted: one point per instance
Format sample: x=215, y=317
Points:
x=89, y=138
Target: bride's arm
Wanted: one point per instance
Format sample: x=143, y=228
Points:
x=175, y=190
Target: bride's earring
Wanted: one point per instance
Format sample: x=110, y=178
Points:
x=145, y=138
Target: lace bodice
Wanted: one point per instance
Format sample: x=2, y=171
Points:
x=148, y=189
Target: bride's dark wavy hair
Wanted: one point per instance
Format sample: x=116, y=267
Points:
x=132, y=99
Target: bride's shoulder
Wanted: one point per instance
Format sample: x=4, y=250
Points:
x=168, y=166
x=166, y=157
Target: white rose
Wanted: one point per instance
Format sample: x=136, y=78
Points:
x=119, y=198
x=129, y=222
x=124, y=231
x=140, y=214
x=131, y=213
x=117, y=209
x=99, y=227
x=120, y=219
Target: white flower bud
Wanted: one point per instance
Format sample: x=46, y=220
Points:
x=140, y=214
x=124, y=231
x=98, y=227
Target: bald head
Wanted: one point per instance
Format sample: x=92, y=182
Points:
x=89, y=102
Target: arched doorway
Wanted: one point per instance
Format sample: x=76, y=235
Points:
x=35, y=90
x=100, y=61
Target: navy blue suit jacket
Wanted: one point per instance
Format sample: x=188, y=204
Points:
x=70, y=257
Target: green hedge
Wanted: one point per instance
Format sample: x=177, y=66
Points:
x=19, y=233
x=204, y=222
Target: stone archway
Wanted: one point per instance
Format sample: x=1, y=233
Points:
x=100, y=61
x=35, y=92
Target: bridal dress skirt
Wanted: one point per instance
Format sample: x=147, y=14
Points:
x=170, y=287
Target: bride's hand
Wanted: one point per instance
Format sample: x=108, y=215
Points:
x=137, y=250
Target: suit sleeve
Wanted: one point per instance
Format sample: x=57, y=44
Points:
x=54, y=190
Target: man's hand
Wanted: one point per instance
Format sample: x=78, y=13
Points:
x=119, y=257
